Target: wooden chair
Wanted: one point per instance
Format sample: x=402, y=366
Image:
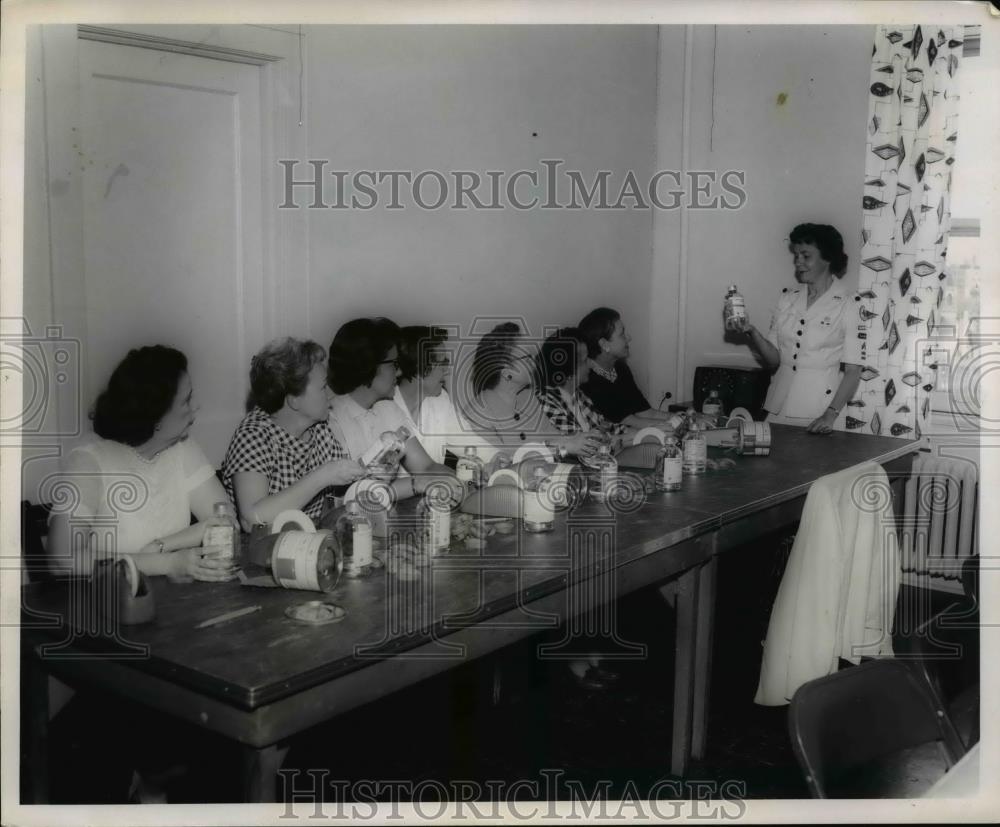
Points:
x=871, y=731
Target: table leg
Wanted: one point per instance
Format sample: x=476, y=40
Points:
x=705, y=627
x=686, y=597
x=260, y=772
x=35, y=696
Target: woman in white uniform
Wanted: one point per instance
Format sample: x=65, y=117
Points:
x=814, y=330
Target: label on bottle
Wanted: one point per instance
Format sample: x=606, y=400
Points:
x=221, y=535
x=294, y=560
x=440, y=528
x=735, y=311
x=465, y=471
x=535, y=508
x=695, y=452
x=711, y=408
x=672, y=471
x=609, y=474
x=362, y=545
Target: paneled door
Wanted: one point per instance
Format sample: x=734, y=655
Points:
x=170, y=155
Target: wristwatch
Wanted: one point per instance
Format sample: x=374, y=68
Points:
x=159, y=545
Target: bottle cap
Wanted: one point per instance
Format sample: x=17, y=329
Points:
x=470, y=450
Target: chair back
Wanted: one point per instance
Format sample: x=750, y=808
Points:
x=848, y=728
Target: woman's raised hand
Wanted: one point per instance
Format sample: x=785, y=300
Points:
x=343, y=471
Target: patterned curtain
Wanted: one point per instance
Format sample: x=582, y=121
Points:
x=912, y=132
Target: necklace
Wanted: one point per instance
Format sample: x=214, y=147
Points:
x=606, y=373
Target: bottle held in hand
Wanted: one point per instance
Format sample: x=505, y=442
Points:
x=221, y=536
x=735, y=311
x=383, y=456
x=669, y=466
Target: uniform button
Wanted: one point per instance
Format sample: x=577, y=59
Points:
x=795, y=356
x=828, y=391
x=794, y=368
x=798, y=344
x=799, y=332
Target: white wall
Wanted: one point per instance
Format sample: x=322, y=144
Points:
x=804, y=161
x=450, y=98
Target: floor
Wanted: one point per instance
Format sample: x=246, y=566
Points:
x=544, y=726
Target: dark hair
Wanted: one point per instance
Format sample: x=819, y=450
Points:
x=557, y=357
x=281, y=368
x=357, y=350
x=596, y=325
x=827, y=240
x=139, y=393
x=416, y=344
x=493, y=353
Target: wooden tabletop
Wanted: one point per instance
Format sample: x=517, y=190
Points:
x=264, y=656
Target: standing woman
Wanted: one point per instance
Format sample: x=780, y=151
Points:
x=813, y=331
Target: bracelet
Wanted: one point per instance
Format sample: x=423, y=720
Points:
x=159, y=545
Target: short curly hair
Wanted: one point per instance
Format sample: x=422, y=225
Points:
x=494, y=352
x=139, y=393
x=596, y=325
x=416, y=345
x=557, y=357
x=281, y=368
x=357, y=350
x=827, y=240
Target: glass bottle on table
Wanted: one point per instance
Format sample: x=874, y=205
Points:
x=669, y=466
x=469, y=468
x=353, y=530
x=712, y=406
x=538, y=513
x=605, y=473
x=434, y=512
x=695, y=450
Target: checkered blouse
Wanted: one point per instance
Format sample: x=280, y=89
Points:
x=567, y=417
x=261, y=444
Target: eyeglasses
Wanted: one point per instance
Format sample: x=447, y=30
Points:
x=393, y=362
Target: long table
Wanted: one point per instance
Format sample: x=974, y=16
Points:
x=261, y=679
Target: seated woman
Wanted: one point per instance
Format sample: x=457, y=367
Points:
x=144, y=473
x=501, y=407
x=611, y=386
x=562, y=367
x=363, y=369
x=423, y=367
x=283, y=454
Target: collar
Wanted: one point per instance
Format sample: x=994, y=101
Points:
x=611, y=375
x=344, y=405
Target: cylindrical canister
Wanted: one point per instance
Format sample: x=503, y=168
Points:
x=306, y=560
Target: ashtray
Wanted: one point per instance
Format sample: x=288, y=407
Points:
x=315, y=613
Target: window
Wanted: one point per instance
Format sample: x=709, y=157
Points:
x=957, y=329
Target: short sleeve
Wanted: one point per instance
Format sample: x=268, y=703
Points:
x=855, y=337
x=250, y=450
x=194, y=465
x=79, y=491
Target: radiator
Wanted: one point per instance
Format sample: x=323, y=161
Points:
x=939, y=525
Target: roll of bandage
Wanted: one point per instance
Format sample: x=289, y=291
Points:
x=292, y=519
x=755, y=439
x=647, y=434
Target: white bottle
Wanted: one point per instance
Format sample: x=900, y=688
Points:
x=695, y=459
x=669, y=466
x=735, y=312
x=435, y=515
x=469, y=468
x=353, y=531
x=221, y=535
x=605, y=473
x=538, y=514
x=384, y=454
x=713, y=405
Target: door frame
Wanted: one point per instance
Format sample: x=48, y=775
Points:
x=279, y=53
